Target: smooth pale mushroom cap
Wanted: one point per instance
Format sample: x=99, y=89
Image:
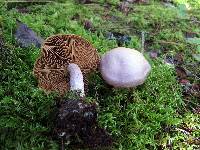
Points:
x=57, y=52
x=124, y=67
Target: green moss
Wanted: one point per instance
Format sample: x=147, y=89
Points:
x=194, y=3
x=136, y=118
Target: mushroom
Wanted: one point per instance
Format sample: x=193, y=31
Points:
x=124, y=67
x=53, y=69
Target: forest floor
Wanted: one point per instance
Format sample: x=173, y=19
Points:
x=163, y=113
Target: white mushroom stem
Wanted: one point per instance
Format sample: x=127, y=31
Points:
x=76, y=79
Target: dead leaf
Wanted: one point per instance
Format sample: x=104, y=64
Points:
x=184, y=82
x=178, y=59
x=181, y=72
x=153, y=54
x=169, y=60
x=195, y=90
x=124, y=7
x=88, y=24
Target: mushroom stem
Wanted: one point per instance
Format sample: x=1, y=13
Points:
x=76, y=79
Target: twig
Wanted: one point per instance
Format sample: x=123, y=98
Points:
x=168, y=42
x=142, y=42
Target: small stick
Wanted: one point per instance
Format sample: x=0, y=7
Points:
x=168, y=42
x=142, y=42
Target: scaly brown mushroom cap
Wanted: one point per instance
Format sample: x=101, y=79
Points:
x=57, y=53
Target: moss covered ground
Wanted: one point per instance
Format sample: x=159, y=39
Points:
x=155, y=115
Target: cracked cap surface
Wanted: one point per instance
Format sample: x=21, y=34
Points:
x=57, y=52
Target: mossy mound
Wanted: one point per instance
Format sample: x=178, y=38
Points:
x=150, y=116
